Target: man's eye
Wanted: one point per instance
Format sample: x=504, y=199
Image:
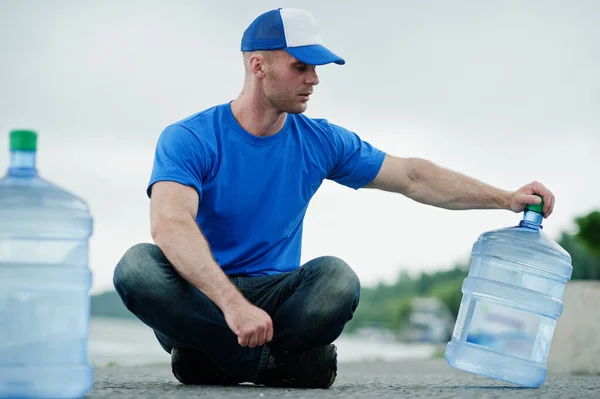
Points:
x=301, y=67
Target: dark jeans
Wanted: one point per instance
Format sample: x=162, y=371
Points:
x=309, y=307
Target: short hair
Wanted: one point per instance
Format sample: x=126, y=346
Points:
x=267, y=55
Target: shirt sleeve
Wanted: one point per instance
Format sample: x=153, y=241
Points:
x=356, y=161
x=180, y=157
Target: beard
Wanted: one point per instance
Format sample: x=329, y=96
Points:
x=281, y=98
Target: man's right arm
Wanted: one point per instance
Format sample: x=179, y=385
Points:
x=175, y=231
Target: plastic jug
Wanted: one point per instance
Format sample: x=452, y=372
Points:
x=512, y=298
x=44, y=282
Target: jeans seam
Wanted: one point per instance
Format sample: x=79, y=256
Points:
x=264, y=358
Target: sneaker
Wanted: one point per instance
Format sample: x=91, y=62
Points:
x=192, y=367
x=315, y=368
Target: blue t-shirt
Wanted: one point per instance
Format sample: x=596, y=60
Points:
x=254, y=191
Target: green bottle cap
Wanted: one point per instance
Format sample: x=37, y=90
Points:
x=539, y=208
x=23, y=140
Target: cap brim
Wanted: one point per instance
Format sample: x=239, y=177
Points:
x=314, y=55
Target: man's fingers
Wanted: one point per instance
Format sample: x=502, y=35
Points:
x=547, y=195
x=257, y=338
x=525, y=199
x=533, y=199
x=254, y=340
x=550, y=206
x=540, y=189
x=547, y=205
x=262, y=337
x=257, y=329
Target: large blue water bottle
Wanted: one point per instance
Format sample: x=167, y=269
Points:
x=44, y=282
x=511, y=301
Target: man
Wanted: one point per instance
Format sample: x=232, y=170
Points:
x=222, y=286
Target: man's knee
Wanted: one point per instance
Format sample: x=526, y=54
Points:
x=139, y=271
x=339, y=289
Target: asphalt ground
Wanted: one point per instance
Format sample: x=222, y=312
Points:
x=377, y=379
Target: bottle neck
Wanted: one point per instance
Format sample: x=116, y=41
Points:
x=532, y=219
x=22, y=164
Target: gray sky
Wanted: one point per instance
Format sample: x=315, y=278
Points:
x=507, y=92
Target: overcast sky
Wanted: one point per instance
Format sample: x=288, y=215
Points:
x=504, y=91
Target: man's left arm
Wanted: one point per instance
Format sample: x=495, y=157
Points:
x=428, y=183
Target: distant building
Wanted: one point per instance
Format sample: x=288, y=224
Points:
x=375, y=334
x=430, y=320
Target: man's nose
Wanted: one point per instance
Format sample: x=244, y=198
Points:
x=312, y=77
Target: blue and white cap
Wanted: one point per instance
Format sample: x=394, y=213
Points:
x=292, y=30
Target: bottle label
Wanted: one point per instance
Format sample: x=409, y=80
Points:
x=503, y=329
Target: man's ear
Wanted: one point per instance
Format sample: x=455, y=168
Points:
x=257, y=63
